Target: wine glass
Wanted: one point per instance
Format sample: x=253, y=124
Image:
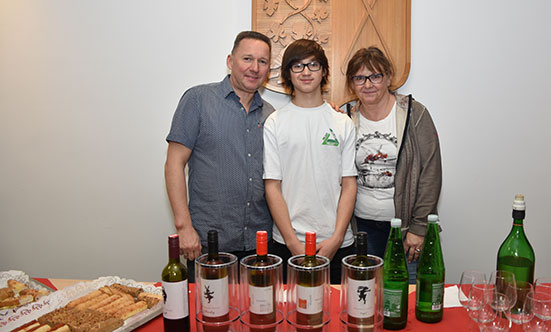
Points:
x=499, y=296
x=517, y=310
x=537, y=308
x=471, y=299
x=543, y=285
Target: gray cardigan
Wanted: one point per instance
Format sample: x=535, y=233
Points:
x=418, y=178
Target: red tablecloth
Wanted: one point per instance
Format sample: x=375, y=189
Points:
x=455, y=319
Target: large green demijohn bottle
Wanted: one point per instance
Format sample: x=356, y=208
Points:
x=396, y=280
x=429, y=304
x=515, y=253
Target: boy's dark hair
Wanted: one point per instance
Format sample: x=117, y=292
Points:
x=251, y=35
x=300, y=50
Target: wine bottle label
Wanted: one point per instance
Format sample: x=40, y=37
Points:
x=175, y=299
x=309, y=299
x=437, y=295
x=361, y=298
x=214, y=297
x=392, y=302
x=261, y=300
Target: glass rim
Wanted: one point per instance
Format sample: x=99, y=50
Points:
x=308, y=268
x=279, y=261
x=379, y=260
x=232, y=260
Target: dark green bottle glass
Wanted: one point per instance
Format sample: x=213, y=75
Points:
x=429, y=302
x=396, y=280
x=515, y=254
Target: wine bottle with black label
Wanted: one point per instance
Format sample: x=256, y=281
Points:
x=261, y=287
x=361, y=289
x=214, y=288
x=310, y=288
x=175, y=290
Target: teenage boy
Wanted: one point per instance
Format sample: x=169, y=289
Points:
x=309, y=171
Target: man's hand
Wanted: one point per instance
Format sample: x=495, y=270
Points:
x=190, y=244
x=328, y=248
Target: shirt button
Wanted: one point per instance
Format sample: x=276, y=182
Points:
x=248, y=203
x=248, y=155
x=248, y=130
x=250, y=179
x=245, y=227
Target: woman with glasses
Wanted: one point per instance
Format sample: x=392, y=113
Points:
x=397, y=157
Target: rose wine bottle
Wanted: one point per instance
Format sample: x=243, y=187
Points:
x=214, y=288
x=361, y=289
x=261, y=287
x=310, y=288
x=175, y=290
x=396, y=280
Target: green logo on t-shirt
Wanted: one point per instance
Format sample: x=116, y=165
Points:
x=330, y=139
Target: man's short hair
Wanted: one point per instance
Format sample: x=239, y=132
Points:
x=251, y=35
x=300, y=50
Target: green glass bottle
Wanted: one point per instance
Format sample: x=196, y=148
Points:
x=361, y=289
x=429, y=301
x=396, y=280
x=516, y=254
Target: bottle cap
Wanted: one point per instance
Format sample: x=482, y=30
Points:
x=432, y=218
x=212, y=235
x=262, y=243
x=395, y=222
x=519, y=204
x=310, y=248
x=173, y=246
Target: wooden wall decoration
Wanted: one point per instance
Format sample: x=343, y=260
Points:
x=341, y=27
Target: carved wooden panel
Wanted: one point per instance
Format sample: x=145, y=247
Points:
x=341, y=27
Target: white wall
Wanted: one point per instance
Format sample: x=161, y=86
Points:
x=88, y=89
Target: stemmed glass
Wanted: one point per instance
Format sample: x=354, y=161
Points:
x=499, y=296
x=517, y=310
x=537, y=309
x=471, y=292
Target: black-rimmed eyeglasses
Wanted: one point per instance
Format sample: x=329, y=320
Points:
x=373, y=78
x=299, y=67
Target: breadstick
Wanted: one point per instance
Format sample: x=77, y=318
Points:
x=131, y=310
x=84, y=298
x=92, y=301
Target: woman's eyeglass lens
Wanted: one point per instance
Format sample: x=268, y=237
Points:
x=373, y=78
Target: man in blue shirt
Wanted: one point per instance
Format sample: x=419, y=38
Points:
x=217, y=131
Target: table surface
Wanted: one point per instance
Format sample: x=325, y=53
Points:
x=454, y=319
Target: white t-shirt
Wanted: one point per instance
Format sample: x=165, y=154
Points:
x=376, y=156
x=310, y=150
